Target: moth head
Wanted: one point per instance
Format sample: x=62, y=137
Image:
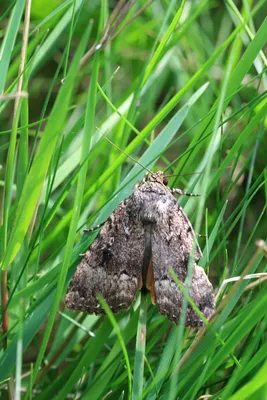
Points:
x=159, y=177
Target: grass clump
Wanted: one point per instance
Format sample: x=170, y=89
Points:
x=178, y=86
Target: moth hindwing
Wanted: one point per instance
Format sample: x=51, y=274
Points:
x=147, y=234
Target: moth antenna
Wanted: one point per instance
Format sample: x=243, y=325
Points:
x=198, y=173
x=128, y=155
x=181, y=192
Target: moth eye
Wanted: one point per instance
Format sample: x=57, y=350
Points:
x=165, y=181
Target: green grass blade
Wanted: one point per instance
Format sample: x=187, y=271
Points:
x=38, y=171
x=30, y=328
x=77, y=206
x=138, y=378
x=150, y=155
x=107, y=368
x=90, y=353
x=9, y=41
x=54, y=35
x=148, y=159
x=163, y=42
x=256, y=383
x=121, y=341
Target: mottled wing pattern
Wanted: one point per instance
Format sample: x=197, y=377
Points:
x=171, y=246
x=110, y=267
x=201, y=292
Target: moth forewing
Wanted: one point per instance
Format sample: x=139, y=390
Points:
x=147, y=233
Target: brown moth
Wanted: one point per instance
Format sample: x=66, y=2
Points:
x=145, y=236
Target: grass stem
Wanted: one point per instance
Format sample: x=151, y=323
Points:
x=138, y=378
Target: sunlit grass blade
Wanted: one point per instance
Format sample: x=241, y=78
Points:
x=163, y=42
x=37, y=173
x=9, y=40
x=77, y=205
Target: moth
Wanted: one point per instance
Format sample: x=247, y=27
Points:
x=145, y=236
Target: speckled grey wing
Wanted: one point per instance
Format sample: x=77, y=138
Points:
x=171, y=247
x=111, y=266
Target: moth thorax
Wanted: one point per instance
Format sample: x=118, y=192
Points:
x=153, y=212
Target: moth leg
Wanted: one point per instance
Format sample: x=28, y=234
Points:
x=145, y=179
x=201, y=235
x=94, y=228
x=181, y=192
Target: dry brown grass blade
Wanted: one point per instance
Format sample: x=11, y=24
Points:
x=109, y=30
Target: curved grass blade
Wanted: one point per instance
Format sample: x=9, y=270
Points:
x=38, y=171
